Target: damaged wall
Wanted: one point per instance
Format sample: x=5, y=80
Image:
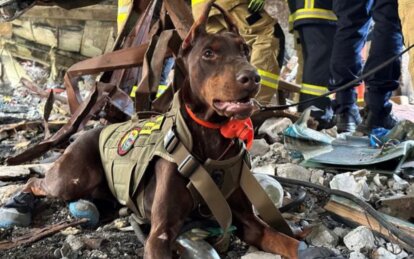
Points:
x=52, y=36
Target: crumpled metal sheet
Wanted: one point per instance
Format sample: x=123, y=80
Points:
x=348, y=152
x=355, y=153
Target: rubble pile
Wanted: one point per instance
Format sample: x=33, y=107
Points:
x=347, y=235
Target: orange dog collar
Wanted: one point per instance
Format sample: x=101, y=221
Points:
x=241, y=129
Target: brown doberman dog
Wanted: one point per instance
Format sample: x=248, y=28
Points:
x=220, y=87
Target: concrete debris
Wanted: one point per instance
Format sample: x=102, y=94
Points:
x=293, y=171
x=399, y=184
x=75, y=243
x=322, y=236
x=259, y=148
x=96, y=254
x=341, y=232
x=356, y=255
x=317, y=176
x=272, y=127
x=379, y=180
x=359, y=238
x=276, y=155
x=352, y=183
x=266, y=169
x=70, y=231
x=261, y=255
x=382, y=253
x=396, y=250
x=410, y=190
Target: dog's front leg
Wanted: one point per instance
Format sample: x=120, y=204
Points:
x=254, y=232
x=171, y=204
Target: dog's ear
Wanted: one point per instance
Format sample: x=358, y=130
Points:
x=198, y=28
x=231, y=26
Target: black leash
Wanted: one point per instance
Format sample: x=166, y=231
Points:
x=344, y=87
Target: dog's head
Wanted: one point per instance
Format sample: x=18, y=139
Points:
x=221, y=79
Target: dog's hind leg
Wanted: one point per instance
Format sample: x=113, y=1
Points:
x=76, y=174
x=171, y=204
x=256, y=233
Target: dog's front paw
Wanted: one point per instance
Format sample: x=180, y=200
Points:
x=85, y=209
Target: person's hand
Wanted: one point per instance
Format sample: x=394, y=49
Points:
x=256, y=6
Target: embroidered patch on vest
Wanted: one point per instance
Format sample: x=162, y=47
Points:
x=127, y=141
x=152, y=125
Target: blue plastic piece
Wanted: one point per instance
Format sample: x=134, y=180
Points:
x=85, y=209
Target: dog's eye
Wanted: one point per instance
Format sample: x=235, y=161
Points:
x=208, y=54
x=246, y=50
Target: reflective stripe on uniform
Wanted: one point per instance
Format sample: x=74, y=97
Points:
x=308, y=4
x=134, y=89
x=313, y=89
x=268, y=79
x=161, y=90
x=313, y=13
x=194, y=2
x=123, y=10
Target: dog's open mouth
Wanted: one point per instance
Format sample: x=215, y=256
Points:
x=240, y=109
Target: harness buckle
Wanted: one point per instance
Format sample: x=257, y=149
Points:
x=188, y=166
x=170, y=141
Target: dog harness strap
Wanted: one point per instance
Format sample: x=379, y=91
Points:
x=261, y=201
x=190, y=168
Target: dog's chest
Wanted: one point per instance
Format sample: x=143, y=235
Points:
x=128, y=148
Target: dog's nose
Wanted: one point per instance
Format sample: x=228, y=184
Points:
x=248, y=78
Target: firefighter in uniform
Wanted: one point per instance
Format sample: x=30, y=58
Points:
x=258, y=31
x=354, y=21
x=314, y=25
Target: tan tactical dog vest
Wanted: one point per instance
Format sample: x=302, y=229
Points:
x=128, y=148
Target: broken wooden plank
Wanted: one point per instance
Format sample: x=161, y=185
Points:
x=349, y=211
x=19, y=171
x=90, y=13
x=30, y=125
x=181, y=16
x=42, y=93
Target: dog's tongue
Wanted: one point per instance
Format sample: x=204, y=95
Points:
x=233, y=107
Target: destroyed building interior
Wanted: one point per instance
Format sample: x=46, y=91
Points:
x=69, y=69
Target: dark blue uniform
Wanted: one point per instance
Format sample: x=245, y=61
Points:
x=315, y=23
x=354, y=20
